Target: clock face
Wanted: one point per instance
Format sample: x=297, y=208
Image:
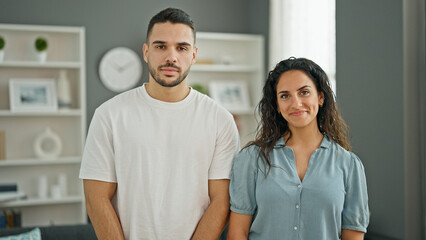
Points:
x=120, y=69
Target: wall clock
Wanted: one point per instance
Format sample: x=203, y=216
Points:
x=120, y=69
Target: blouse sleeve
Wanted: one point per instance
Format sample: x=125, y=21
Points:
x=243, y=182
x=355, y=214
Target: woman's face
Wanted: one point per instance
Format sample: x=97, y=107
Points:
x=298, y=99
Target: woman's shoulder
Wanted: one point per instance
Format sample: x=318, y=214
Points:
x=347, y=157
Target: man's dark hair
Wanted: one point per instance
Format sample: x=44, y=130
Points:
x=172, y=15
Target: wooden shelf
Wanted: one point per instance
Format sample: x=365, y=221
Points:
x=34, y=64
x=36, y=161
x=29, y=202
x=59, y=113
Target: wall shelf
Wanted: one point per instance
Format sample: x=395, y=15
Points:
x=66, y=52
x=31, y=202
x=232, y=57
x=36, y=161
x=59, y=113
x=33, y=64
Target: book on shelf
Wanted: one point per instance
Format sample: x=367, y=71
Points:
x=12, y=187
x=10, y=218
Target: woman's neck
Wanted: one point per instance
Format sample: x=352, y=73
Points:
x=307, y=137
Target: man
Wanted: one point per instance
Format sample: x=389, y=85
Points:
x=157, y=159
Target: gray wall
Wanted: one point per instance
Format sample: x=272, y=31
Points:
x=378, y=93
x=111, y=23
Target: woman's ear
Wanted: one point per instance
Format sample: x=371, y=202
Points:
x=321, y=99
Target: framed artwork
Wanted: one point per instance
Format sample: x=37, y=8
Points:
x=32, y=95
x=233, y=95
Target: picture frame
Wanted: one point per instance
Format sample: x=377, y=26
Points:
x=233, y=95
x=32, y=95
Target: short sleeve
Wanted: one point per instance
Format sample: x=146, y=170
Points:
x=98, y=155
x=226, y=147
x=242, y=188
x=355, y=214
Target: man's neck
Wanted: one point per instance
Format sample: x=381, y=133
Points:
x=167, y=94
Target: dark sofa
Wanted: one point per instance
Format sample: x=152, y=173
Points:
x=65, y=232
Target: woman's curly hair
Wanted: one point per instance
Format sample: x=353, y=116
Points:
x=273, y=126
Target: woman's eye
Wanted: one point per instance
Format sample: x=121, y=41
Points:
x=304, y=92
x=284, y=96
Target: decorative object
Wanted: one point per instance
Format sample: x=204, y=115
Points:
x=64, y=90
x=233, y=95
x=204, y=61
x=32, y=95
x=2, y=44
x=2, y=145
x=47, y=145
x=120, y=69
x=62, y=182
x=55, y=191
x=41, y=45
x=42, y=186
x=226, y=60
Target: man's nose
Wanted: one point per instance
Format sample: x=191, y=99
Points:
x=171, y=55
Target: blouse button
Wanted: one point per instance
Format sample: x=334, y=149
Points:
x=299, y=186
x=295, y=228
x=297, y=205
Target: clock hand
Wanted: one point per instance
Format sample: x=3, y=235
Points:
x=115, y=65
x=127, y=65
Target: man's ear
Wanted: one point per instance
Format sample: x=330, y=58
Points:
x=194, y=55
x=145, y=52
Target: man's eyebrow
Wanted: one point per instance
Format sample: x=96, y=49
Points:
x=163, y=42
x=158, y=42
x=184, y=44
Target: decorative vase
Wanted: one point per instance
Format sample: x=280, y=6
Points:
x=47, y=145
x=42, y=56
x=64, y=90
x=1, y=55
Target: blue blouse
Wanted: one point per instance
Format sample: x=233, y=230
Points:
x=331, y=197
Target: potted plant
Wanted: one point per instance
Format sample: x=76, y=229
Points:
x=2, y=44
x=40, y=45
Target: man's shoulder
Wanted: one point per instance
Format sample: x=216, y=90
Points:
x=210, y=105
x=121, y=100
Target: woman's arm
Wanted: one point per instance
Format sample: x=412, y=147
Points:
x=352, y=235
x=239, y=226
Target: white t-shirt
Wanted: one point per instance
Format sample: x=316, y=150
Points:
x=161, y=155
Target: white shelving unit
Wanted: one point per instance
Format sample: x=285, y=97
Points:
x=232, y=57
x=66, y=51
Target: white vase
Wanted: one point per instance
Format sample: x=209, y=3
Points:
x=47, y=137
x=1, y=55
x=41, y=56
x=64, y=90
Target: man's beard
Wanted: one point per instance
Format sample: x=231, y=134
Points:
x=164, y=83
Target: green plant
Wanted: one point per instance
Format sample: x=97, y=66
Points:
x=2, y=43
x=199, y=88
x=40, y=44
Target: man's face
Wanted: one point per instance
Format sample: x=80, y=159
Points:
x=169, y=52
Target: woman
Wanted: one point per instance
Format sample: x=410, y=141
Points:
x=298, y=178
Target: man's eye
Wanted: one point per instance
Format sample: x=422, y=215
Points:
x=182, y=48
x=160, y=47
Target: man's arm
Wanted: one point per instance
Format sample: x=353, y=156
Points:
x=352, y=235
x=100, y=210
x=214, y=219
